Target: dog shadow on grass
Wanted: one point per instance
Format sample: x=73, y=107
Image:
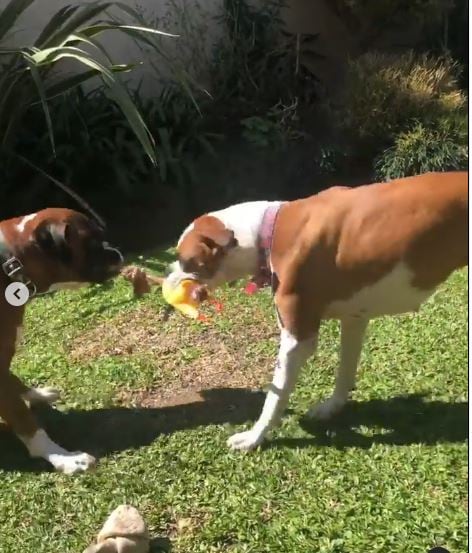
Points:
x=105, y=431
x=401, y=420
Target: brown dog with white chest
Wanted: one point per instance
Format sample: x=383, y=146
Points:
x=348, y=254
x=49, y=250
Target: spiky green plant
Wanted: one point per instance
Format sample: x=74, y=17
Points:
x=26, y=72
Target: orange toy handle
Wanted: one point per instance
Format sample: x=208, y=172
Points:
x=218, y=308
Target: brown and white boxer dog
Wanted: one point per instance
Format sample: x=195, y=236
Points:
x=49, y=250
x=348, y=254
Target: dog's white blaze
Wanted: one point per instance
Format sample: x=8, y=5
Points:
x=391, y=295
x=244, y=220
x=41, y=445
x=22, y=224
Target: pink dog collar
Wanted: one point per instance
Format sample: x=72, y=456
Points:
x=263, y=277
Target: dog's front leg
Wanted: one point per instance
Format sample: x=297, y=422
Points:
x=15, y=412
x=292, y=355
x=21, y=420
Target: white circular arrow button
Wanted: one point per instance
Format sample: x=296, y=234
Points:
x=17, y=294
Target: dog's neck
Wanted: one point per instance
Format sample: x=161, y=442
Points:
x=245, y=221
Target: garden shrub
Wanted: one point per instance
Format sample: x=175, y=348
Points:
x=420, y=149
x=384, y=93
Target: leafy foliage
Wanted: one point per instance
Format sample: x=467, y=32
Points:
x=26, y=71
x=421, y=149
x=329, y=159
x=181, y=133
x=278, y=126
x=257, y=63
x=98, y=154
x=385, y=93
x=97, y=142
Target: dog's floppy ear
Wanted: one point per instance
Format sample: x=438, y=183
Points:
x=222, y=241
x=52, y=238
x=214, y=233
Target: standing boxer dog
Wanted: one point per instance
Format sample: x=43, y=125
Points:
x=348, y=254
x=49, y=250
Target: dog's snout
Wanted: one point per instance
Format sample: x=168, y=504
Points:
x=114, y=254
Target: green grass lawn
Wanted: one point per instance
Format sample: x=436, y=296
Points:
x=389, y=475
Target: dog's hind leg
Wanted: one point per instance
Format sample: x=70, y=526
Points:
x=39, y=444
x=292, y=355
x=352, y=336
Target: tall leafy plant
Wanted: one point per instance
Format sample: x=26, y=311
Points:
x=87, y=122
x=28, y=76
x=257, y=63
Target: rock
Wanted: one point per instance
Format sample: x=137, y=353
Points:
x=123, y=532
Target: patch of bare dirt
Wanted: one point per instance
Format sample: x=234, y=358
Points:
x=190, y=357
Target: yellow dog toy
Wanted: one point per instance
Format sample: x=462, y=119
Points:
x=183, y=296
x=187, y=296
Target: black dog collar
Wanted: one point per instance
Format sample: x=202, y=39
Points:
x=13, y=268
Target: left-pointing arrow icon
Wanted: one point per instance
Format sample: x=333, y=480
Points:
x=16, y=294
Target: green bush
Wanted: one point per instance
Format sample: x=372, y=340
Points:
x=421, y=149
x=384, y=93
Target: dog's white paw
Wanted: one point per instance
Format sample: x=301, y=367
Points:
x=245, y=441
x=42, y=395
x=70, y=463
x=327, y=409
